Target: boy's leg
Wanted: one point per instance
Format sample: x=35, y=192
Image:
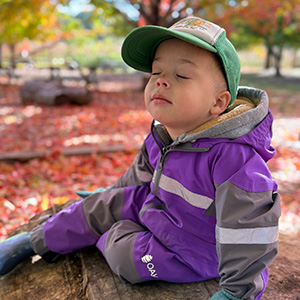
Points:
x=62, y=233
x=136, y=255
x=75, y=227
x=81, y=224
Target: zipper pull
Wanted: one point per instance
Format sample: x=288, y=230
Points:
x=160, y=165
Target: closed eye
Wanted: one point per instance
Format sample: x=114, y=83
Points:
x=155, y=73
x=182, y=77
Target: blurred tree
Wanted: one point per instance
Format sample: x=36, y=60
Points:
x=34, y=20
x=275, y=22
x=94, y=37
x=125, y=15
x=164, y=12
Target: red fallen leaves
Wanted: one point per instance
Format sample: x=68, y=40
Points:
x=28, y=188
x=112, y=118
x=285, y=168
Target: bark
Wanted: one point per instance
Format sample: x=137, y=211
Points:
x=273, y=59
x=0, y=55
x=12, y=56
x=268, y=63
x=278, y=56
x=53, y=93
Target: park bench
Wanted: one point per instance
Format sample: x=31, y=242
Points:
x=84, y=275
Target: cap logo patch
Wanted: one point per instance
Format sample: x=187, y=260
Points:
x=192, y=23
x=205, y=30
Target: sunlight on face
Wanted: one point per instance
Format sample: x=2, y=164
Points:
x=181, y=90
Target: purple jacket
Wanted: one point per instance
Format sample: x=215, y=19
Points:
x=200, y=207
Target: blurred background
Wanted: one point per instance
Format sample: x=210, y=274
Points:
x=69, y=51
x=87, y=34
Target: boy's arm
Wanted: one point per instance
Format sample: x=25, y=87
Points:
x=139, y=173
x=247, y=212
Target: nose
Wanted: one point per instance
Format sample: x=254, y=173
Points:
x=163, y=81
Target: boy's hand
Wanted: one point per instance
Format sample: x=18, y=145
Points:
x=223, y=295
x=84, y=194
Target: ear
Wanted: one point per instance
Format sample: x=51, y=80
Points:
x=221, y=103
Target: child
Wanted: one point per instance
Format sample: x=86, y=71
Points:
x=198, y=202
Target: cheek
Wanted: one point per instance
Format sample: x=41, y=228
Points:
x=147, y=91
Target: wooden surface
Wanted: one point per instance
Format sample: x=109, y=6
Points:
x=84, y=275
x=24, y=156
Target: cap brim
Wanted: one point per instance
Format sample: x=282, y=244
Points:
x=139, y=47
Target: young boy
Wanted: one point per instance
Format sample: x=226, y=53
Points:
x=199, y=201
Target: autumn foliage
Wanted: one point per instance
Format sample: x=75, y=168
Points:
x=30, y=187
x=113, y=118
x=270, y=17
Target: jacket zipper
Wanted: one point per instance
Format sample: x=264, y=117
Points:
x=162, y=160
x=164, y=155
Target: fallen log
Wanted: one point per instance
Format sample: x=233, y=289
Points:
x=24, y=156
x=53, y=93
x=84, y=275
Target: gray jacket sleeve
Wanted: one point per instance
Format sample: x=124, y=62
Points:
x=139, y=173
x=246, y=234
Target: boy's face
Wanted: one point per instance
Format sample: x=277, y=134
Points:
x=181, y=91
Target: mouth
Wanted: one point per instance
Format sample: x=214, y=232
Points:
x=157, y=98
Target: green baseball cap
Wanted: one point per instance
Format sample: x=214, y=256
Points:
x=138, y=49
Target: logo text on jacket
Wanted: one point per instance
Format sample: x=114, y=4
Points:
x=146, y=259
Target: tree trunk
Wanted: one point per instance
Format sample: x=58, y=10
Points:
x=268, y=63
x=11, y=68
x=12, y=56
x=278, y=56
x=0, y=55
x=274, y=55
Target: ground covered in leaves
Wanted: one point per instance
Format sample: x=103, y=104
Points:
x=113, y=118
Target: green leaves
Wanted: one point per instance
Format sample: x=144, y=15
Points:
x=31, y=19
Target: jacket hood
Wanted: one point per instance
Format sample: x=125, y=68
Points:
x=247, y=121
